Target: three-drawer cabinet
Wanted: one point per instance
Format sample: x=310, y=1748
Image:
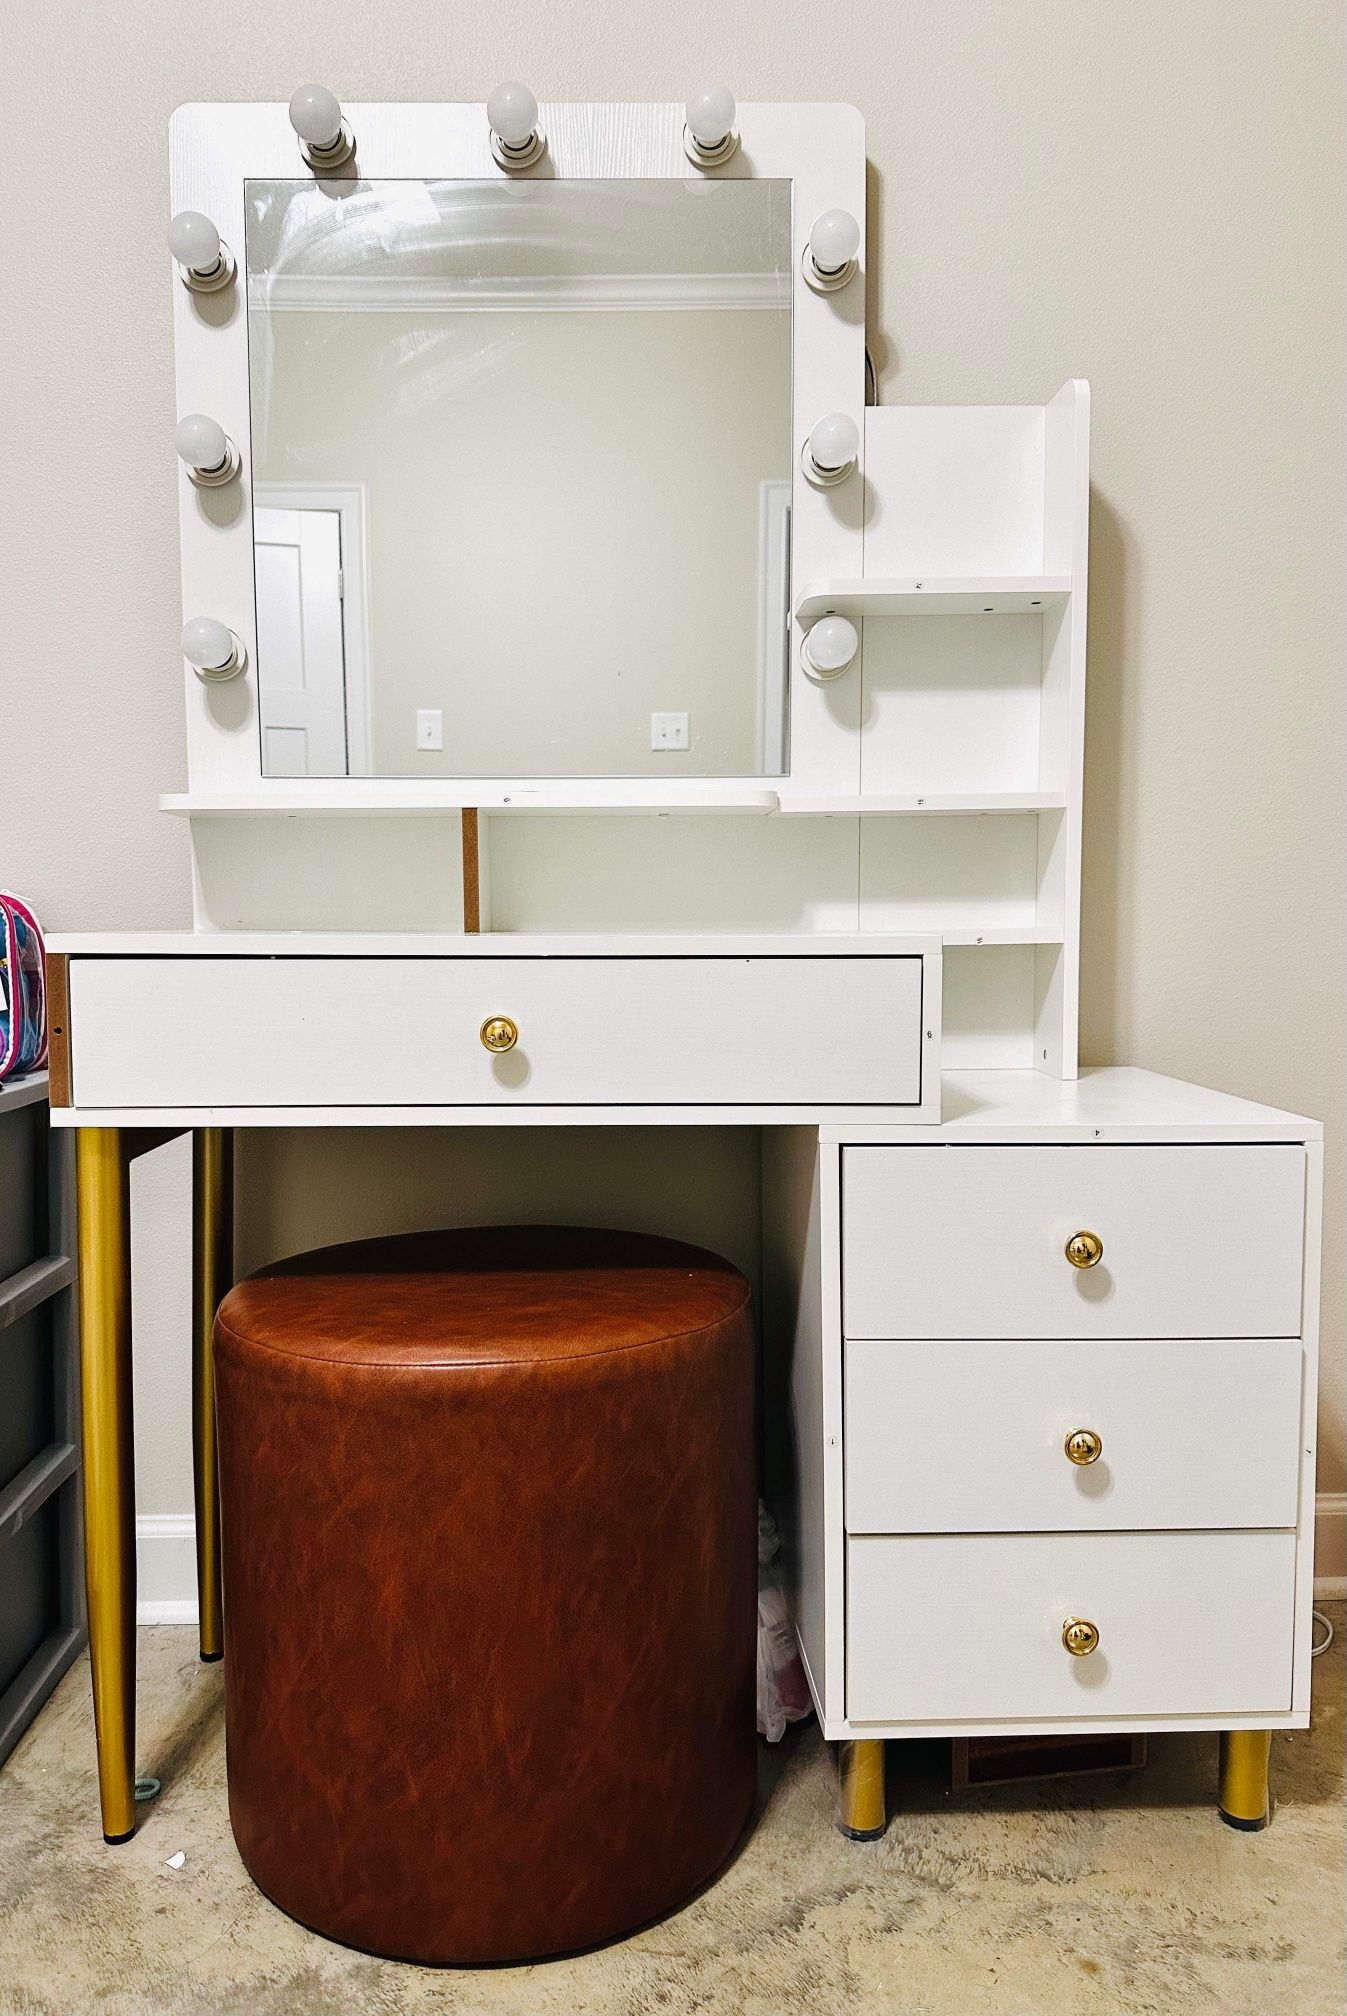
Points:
x=1051, y=1431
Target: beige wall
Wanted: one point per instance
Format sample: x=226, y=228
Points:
x=1148, y=195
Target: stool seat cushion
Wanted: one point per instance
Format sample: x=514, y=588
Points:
x=489, y=1542
x=493, y=1294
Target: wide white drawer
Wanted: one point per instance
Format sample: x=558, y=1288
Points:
x=312, y=1031
x=970, y=1437
x=964, y=1627
x=971, y=1242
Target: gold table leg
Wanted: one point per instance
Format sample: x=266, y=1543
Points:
x=212, y=1277
x=1244, y=1798
x=102, y=1163
x=860, y=1790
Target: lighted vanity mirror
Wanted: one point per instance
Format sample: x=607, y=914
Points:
x=522, y=457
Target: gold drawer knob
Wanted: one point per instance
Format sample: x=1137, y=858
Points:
x=498, y=1034
x=1085, y=1249
x=1084, y=1446
x=1080, y=1637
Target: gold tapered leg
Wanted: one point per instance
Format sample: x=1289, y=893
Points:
x=212, y=1277
x=103, y=1170
x=860, y=1790
x=1245, y=1800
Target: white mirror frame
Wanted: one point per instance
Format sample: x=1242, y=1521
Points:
x=215, y=149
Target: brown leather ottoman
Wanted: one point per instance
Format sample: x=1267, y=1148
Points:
x=489, y=1531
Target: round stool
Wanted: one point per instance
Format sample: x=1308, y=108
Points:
x=489, y=1539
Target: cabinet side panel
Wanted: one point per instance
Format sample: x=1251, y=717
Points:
x=802, y=1391
x=1309, y=1320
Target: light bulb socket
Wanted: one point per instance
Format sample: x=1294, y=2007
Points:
x=824, y=479
x=512, y=157
x=323, y=160
x=215, y=479
x=821, y=279
x=210, y=279
x=710, y=157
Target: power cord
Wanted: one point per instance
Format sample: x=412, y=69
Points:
x=1327, y=1638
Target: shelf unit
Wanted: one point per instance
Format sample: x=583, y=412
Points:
x=934, y=787
x=978, y=512
x=41, y=1562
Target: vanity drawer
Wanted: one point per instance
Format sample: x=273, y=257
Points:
x=232, y=1030
x=971, y=1242
x=970, y=1437
x=952, y=1628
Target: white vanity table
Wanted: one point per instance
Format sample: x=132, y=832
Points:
x=1043, y=1347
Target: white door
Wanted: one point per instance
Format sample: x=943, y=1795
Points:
x=301, y=662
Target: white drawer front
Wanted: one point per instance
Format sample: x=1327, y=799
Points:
x=970, y=1242
x=969, y=1437
x=969, y=1628
x=239, y=1031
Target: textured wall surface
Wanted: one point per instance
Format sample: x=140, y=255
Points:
x=1149, y=196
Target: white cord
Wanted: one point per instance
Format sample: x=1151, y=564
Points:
x=1327, y=1638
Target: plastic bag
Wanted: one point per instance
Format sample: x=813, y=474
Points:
x=783, y=1691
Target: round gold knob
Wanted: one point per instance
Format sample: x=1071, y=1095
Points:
x=498, y=1034
x=1080, y=1637
x=1084, y=1446
x=1085, y=1249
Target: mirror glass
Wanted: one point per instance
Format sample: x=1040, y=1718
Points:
x=522, y=456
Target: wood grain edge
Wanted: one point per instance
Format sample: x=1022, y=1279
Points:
x=58, y=1028
x=472, y=872
x=976, y=1761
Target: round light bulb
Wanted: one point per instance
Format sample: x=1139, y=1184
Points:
x=315, y=115
x=710, y=115
x=207, y=643
x=201, y=442
x=834, y=443
x=194, y=241
x=834, y=240
x=831, y=645
x=512, y=114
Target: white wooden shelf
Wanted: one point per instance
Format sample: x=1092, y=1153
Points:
x=1003, y=595
x=816, y=805
x=369, y=797
x=327, y=797
x=998, y=934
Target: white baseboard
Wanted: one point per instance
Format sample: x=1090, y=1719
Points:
x=166, y=1568
x=1330, y=1546
x=166, y=1560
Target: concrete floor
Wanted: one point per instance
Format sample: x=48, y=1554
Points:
x=1098, y=1898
